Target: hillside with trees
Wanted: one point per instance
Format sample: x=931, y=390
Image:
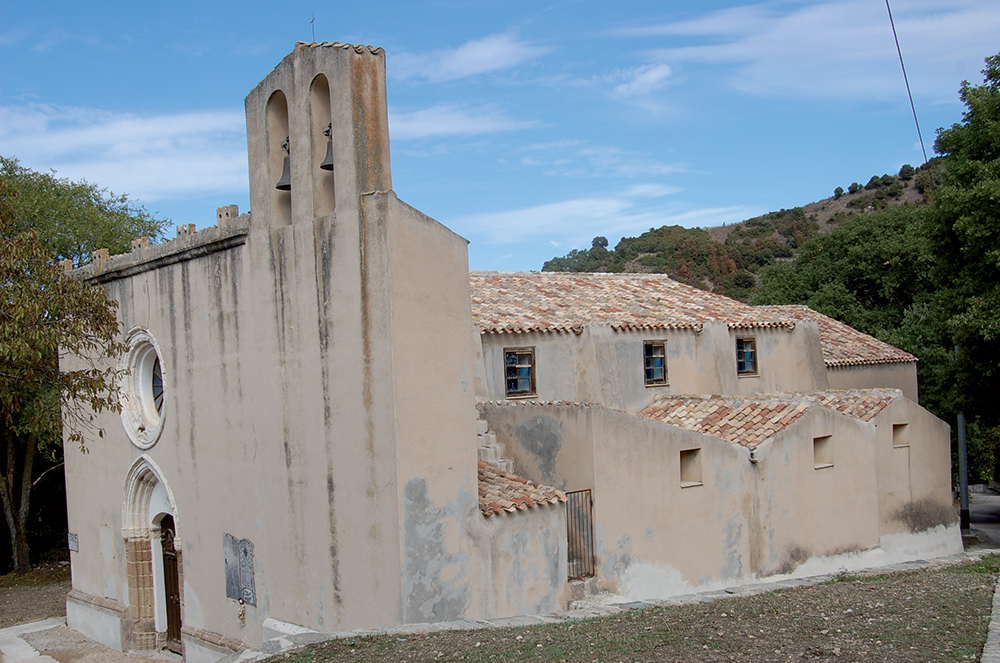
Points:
x=731, y=259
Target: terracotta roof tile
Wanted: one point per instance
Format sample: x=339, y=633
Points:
x=844, y=345
x=750, y=420
x=863, y=404
x=519, y=302
x=500, y=492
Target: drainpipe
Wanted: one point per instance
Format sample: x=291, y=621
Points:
x=963, y=469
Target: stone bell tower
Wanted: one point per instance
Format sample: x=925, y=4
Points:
x=370, y=306
x=320, y=94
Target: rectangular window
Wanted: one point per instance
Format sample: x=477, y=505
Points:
x=690, y=468
x=900, y=435
x=519, y=367
x=822, y=452
x=655, y=362
x=746, y=356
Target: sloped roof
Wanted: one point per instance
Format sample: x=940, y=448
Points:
x=500, y=492
x=844, y=345
x=744, y=421
x=863, y=404
x=517, y=302
x=750, y=420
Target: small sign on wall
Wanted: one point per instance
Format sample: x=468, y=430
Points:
x=73, y=541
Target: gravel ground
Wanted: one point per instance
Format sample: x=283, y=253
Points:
x=37, y=595
x=937, y=614
x=67, y=646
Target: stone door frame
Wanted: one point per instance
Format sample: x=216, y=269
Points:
x=146, y=487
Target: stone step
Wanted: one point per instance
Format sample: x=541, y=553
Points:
x=581, y=589
x=487, y=439
x=493, y=454
x=482, y=427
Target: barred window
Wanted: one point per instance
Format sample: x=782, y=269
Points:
x=655, y=358
x=746, y=356
x=519, y=365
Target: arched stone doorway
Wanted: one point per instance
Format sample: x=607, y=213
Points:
x=153, y=558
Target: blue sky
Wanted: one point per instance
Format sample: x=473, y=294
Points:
x=529, y=128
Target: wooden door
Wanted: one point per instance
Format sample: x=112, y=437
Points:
x=171, y=584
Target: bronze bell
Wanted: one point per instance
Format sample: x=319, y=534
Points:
x=328, y=161
x=285, y=183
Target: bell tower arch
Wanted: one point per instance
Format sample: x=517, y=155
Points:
x=328, y=99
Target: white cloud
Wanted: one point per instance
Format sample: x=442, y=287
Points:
x=447, y=120
x=479, y=56
x=838, y=49
x=651, y=190
x=150, y=157
x=597, y=161
x=574, y=222
x=643, y=80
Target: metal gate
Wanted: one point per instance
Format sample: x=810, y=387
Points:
x=580, y=534
x=171, y=584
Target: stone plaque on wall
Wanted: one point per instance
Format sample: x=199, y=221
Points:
x=238, y=556
x=73, y=541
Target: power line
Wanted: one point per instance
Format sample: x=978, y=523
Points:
x=905, y=80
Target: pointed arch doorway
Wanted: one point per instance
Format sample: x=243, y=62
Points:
x=171, y=583
x=153, y=559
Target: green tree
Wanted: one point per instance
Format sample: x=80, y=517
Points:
x=43, y=313
x=906, y=172
x=854, y=187
x=47, y=219
x=838, y=192
x=964, y=234
x=75, y=218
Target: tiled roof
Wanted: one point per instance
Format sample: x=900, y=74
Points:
x=863, y=404
x=744, y=421
x=517, y=302
x=844, y=345
x=500, y=492
x=750, y=420
x=358, y=48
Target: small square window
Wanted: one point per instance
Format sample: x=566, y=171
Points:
x=901, y=435
x=655, y=353
x=822, y=452
x=746, y=356
x=690, y=468
x=519, y=371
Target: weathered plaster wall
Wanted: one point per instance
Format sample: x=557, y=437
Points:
x=902, y=376
x=605, y=366
x=523, y=561
x=914, y=469
x=655, y=537
x=808, y=511
x=652, y=537
x=435, y=414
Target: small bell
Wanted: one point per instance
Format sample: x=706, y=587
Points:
x=285, y=183
x=328, y=161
